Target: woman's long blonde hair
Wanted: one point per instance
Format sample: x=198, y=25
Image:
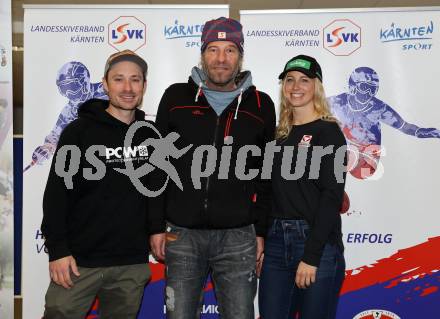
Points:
x=286, y=110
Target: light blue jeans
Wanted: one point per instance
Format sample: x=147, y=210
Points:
x=228, y=254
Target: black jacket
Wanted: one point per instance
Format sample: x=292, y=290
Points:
x=225, y=201
x=99, y=222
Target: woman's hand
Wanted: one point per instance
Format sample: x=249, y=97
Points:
x=305, y=275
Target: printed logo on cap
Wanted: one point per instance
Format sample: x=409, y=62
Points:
x=342, y=37
x=376, y=314
x=127, y=32
x=299, y=63
x=221, y=35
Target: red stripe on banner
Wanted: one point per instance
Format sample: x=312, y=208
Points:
x=428, y=291
x=157, y=272
x=406, y=265
x=209, y=287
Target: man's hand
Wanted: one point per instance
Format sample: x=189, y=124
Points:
x=157, y=243
x=260, y=254
x=305, y=275
x=59, y=271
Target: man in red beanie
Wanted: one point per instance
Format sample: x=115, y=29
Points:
x=217, y=222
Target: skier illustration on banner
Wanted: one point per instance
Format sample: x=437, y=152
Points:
x=73, y=81
x=361, y=115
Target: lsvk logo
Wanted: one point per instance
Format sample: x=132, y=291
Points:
x=342, y=37
x=127, y=32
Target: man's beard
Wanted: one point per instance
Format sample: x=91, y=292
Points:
x=218, y=82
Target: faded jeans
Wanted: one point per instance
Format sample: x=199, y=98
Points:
x=229, y=254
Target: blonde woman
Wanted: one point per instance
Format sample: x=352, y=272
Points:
x=303, y=267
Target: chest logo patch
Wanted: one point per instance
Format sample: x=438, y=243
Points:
x=197, y=112
x=305, y=141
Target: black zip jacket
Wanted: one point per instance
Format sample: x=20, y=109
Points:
x=222, y=201
x=101, y=222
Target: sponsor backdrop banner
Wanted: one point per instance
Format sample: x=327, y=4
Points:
x=66, y=48
x=6, y=165
x=381, y=72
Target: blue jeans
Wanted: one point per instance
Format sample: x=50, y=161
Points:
x=229, y=254
x=279, y=297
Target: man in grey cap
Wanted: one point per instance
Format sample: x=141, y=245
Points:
x=216, y=225
x=95, y=228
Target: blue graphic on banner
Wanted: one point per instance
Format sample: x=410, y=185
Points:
x=180, y=31
x=73, y=81
x=396, y=300
x=177, y=31
x=299, y=37
x=396, y=33
x=361, y=114
x=405, y=284
x=335, y=38
x=129, y=34
x=83, y=32
x=414, y=36
x=369, y=238
x=68, y=28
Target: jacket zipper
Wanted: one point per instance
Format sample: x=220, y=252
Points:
x=208, y=178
